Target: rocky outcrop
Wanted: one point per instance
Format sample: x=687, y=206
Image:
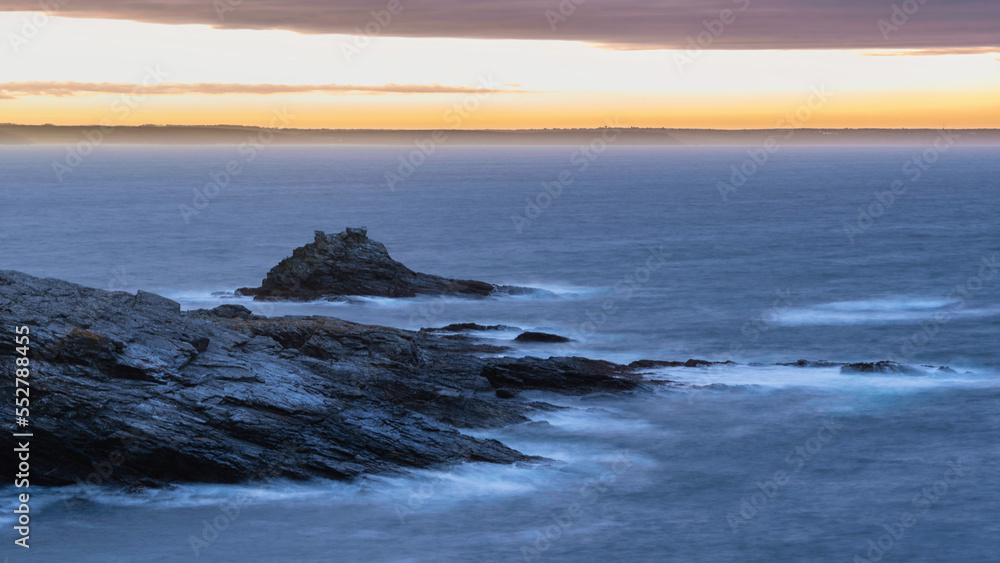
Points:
x=652, y=364
x=130, y=386
x=469, y=327
x=132, y=383
x=349, y=264
x=812, y=364
x=887, y=367
x=571, y=376
x=541, y=337
x=223, y=312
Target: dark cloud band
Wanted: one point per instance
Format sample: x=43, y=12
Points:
x=643, y=24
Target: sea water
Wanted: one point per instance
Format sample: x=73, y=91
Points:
x=835, y=253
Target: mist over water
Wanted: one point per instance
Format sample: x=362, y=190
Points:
x=768, y=276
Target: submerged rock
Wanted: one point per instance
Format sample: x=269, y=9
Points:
x=350, y=263
x=652, y=364
x=469, y=327
x=812, y=364
x=942, y=369
x=887, y=366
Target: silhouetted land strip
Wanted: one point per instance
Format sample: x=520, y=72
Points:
x=235, y=135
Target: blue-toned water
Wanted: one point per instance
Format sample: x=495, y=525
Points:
x=647, y=260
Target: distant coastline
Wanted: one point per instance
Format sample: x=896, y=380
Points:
x=11, y=134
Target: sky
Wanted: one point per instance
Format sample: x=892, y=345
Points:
x=520, y=64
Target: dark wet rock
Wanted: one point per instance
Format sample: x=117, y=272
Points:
x=652, y=364
x=224, y=396
x=222, y=312
x=350, y=263
x=812, y=364
x=541, y=337
x=571, y=376
x=469, y=327
x=887, y=367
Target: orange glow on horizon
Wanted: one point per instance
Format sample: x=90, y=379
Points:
x=564, y=84
x=526, y=111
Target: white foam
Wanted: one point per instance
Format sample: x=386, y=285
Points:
x=463, y=481
x=562, y=291
x=587, y=419
x=191, y=299
x=197, y=495
x=898, y=309
x=773, y=376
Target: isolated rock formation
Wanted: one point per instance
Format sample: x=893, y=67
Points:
x=350, y=263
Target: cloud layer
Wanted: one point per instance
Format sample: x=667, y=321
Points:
x=642, y=24
x=13, y=90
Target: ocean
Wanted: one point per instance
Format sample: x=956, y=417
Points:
x=844, y=254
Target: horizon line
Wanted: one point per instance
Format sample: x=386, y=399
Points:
x=398, y=130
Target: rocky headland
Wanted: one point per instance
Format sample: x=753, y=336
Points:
x=129, y=387
x=158, y=395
